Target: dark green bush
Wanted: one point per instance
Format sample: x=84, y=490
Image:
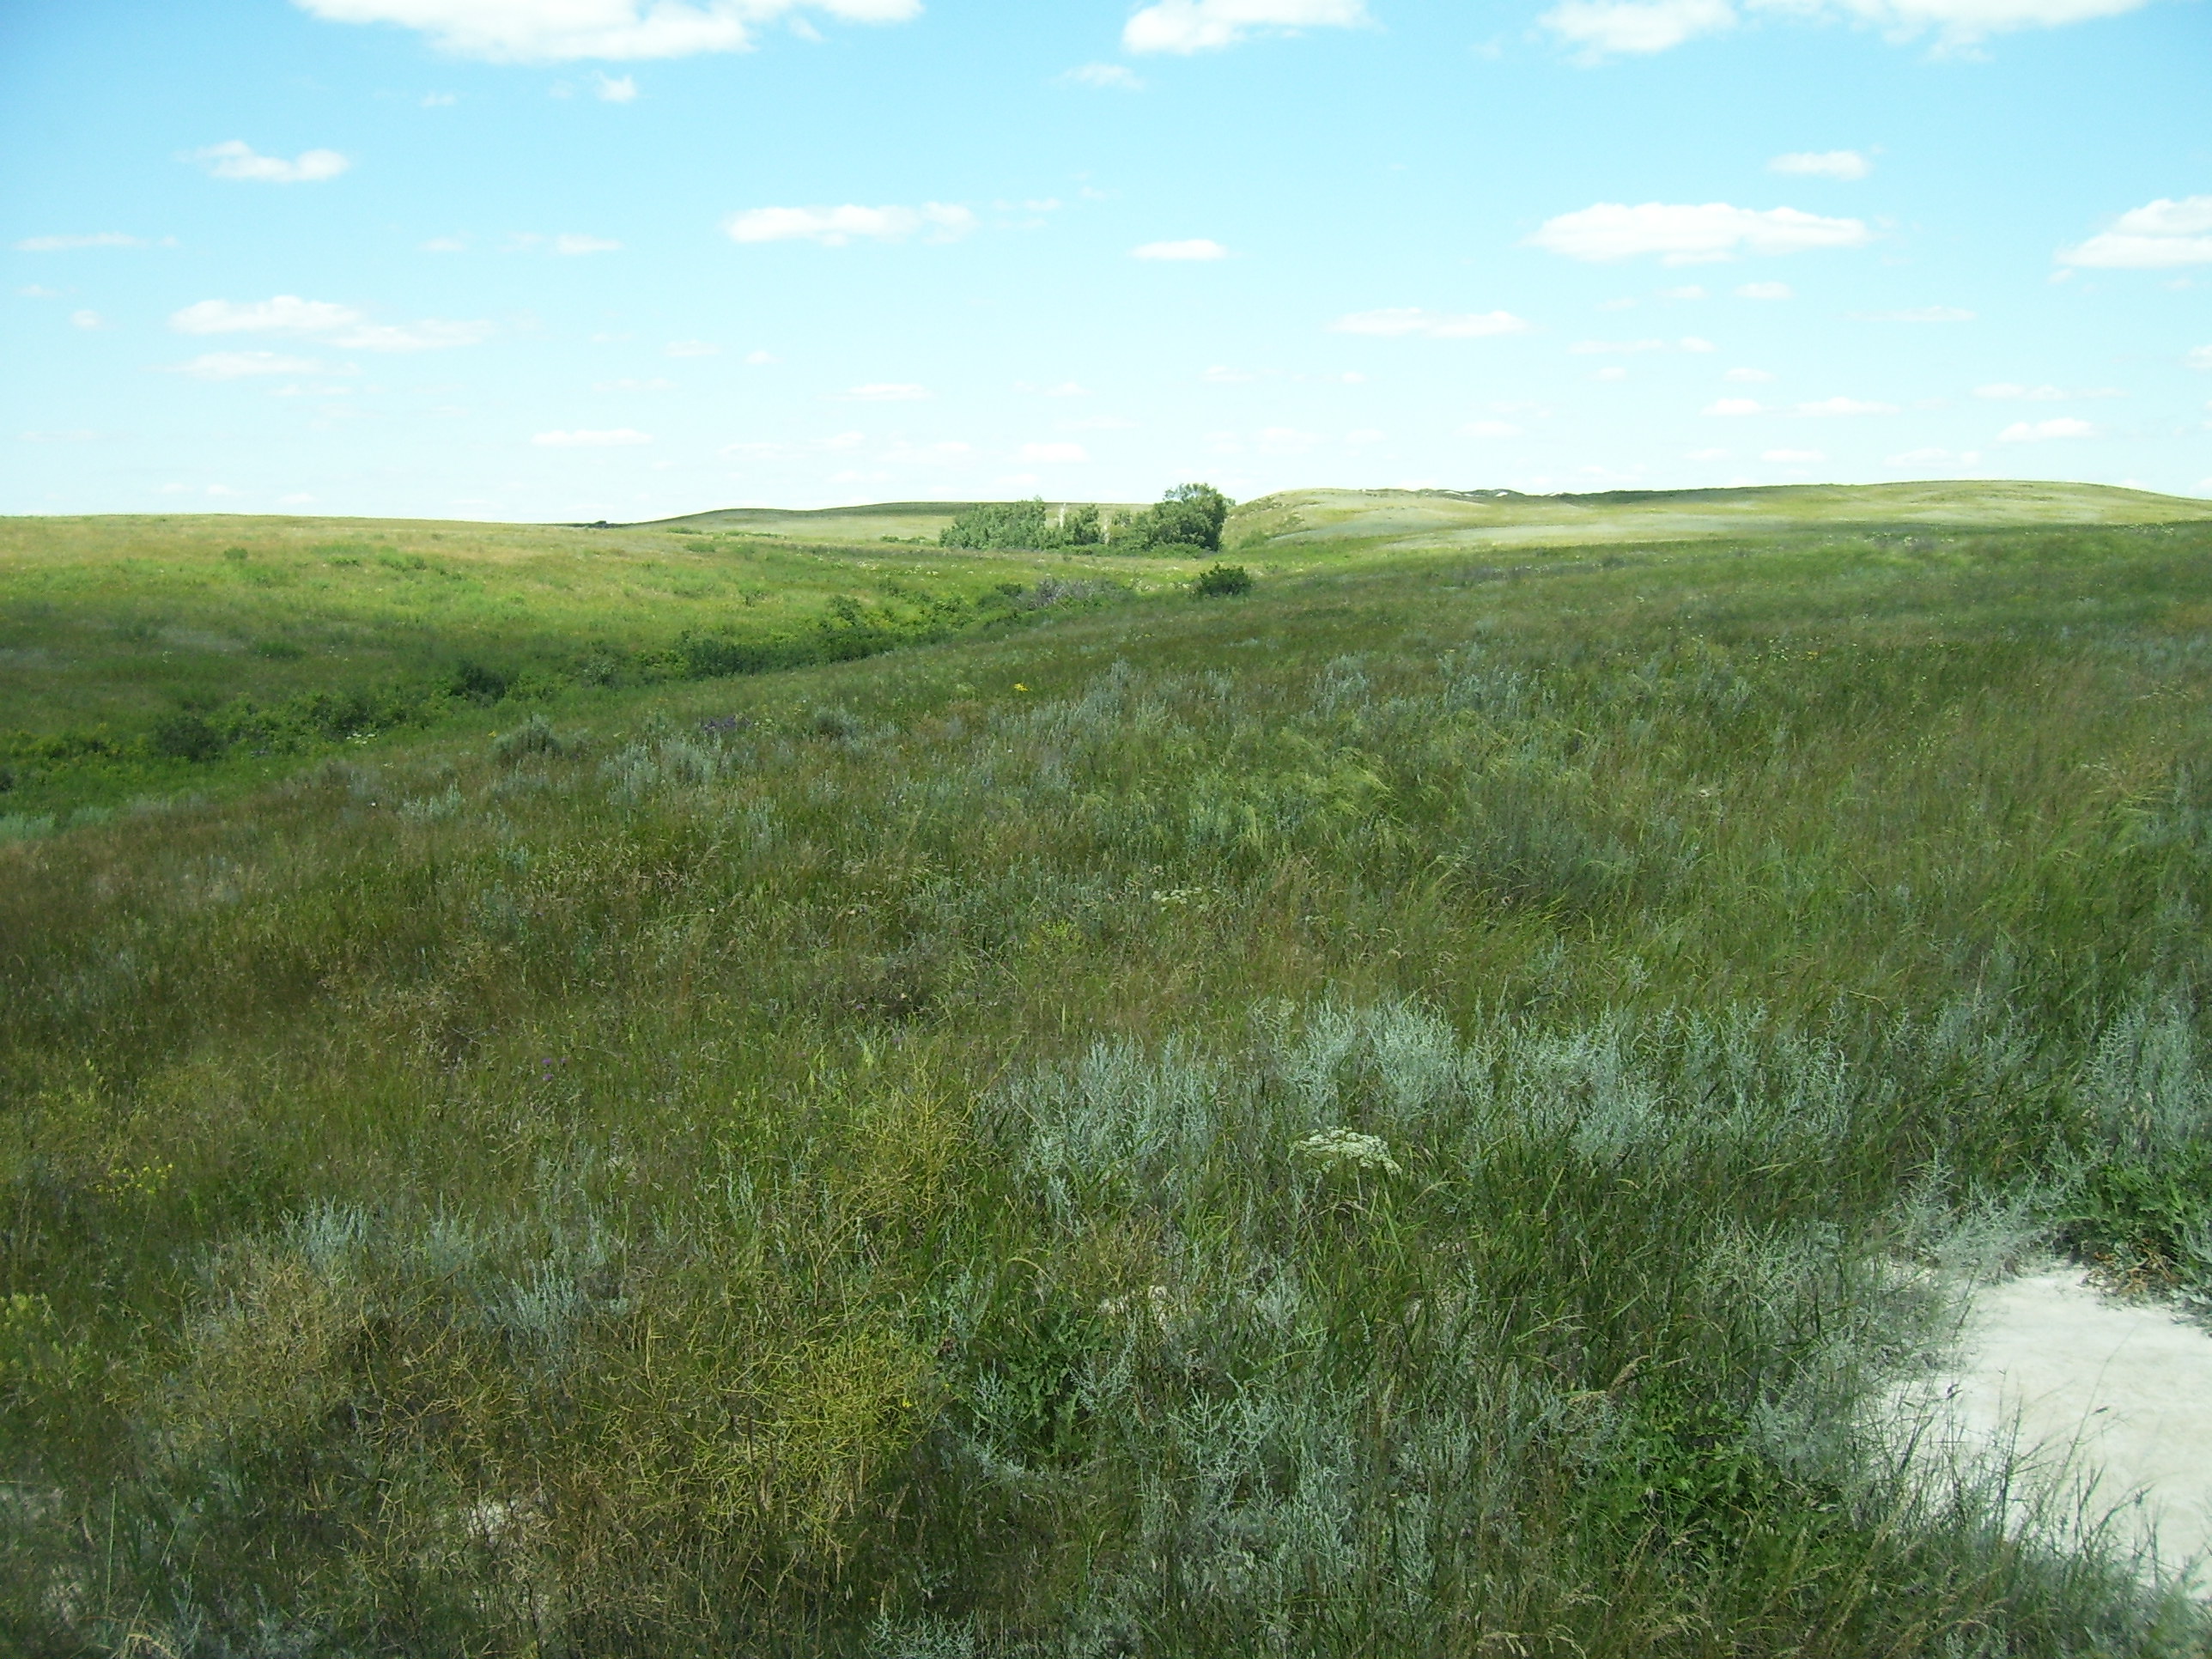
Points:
x=185, y=736
x=1221, y=581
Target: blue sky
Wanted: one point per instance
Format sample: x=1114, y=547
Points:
x=584, y=258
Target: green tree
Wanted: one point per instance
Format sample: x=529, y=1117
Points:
x=1189, y=516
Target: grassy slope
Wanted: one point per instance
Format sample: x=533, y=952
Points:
x=1401, y=520
x=815, y=1167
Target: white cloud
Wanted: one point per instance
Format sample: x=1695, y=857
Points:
x=833, y=227
x=1186, y=26
x=440, y=100
x=1692, y=342
x=1198, y=247
x=654, y=384
x=1747, y=376
x=2200, y=358
x=1822, y=164
x=1765, y=291
x=887, y=391
x=1593, y=347
x=1917, y=314
x=1846, y=406
x=236, y=159
x=286, y=313
x=554, y=31
x=1692, y=234
x=1792, y=457
x=1054, y=453
x=1397, y=321
x=1610, y=372
x=2157, y=237
x=1600, y=27
x=65, y=244
x=573, y=243
x=341, y=325
x=756, y=358
x=1099, y=423
x=620, y=437
x=1737, y=406
x=86, y=319
x=2064, y=425
x=617, y=88
x=2007, y=392
x=1111, y=76
x=240, y=365
x=1490, y=429
x=691, y=349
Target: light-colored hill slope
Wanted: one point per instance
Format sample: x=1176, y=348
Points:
x=1409, y=519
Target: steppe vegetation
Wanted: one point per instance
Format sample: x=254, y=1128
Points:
x=1410, y=1110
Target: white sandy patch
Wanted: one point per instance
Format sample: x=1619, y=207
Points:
x=2110, y=1399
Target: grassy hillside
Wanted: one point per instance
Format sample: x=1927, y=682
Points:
x=1400, y=519
x=1410, y=1113
x=136, y=654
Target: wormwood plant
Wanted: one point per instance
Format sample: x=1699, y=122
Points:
x=1391, y=1118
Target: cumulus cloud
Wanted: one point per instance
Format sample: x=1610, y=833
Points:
x=2064, y=425
x=1690, y=234
x=1846, y=406
x=1198, y=247
x=243, y=365
x=1188, y=26
x=833, y=227
x=1822, y=164
x=1396, y=322
x=65, y=244
x=236, y=159
x=1112, y=76
x=1055, y=455
x=555, y=31
x=1605, y=28
x=342, y=326
x=619, y=437
x=2157, y=237
x=1737, y=406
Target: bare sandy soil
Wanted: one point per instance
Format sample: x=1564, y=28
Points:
x=2109, y=1401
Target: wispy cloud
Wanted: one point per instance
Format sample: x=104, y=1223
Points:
x=833, y=227
x=1604, y=28
x=244, y=365
x=617, y=88
x=1188, y=26
x=885, y=391
x=1737, y=406
x=1765, y=291
x=1846, y=406
x=621, y=437
x=571, y=244
x=67, y=244
x=1197, y=248
x=340, y=325
x=536, y=31
x=237, y=159
x=1916, y=314
x=2156, y=237
x=2063, y=426
x=1845, y=164
x=1107, y=77
x=1685, y=234
x=1398, y=322
x=2010, y=392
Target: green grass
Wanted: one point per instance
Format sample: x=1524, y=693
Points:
x=843, y=1160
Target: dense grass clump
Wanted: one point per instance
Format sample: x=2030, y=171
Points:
x=1397, y=1116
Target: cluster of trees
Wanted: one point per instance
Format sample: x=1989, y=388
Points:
x=1188, y=519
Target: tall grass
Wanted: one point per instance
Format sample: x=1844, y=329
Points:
x=1382, y=1116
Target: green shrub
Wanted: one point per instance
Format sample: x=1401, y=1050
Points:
x=1221, y=581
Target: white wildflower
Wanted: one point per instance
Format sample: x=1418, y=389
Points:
x=1333, y=1149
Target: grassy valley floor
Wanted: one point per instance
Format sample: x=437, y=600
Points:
x=1406, y=1113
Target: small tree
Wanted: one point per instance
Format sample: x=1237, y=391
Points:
x=1218, y=581
x=1189, y=516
